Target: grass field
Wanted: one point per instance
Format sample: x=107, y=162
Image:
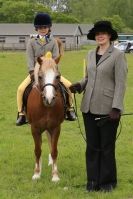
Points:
x=16, y=143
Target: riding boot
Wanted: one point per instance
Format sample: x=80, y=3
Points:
x=21, y=119
x=70, y=115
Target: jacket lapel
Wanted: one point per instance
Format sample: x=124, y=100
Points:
x=105, y=55
x=93, y=60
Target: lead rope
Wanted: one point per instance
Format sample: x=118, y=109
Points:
x=101, y=118
x=76, y=112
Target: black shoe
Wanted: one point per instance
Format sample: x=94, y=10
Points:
x=70, y=115
x=107, y=188
x=92, y=187
x=21, y=120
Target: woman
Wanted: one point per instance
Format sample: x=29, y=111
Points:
x=104, y=88
x=38, y=46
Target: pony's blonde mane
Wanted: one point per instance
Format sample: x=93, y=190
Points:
x=48, y=63
x=60, y=46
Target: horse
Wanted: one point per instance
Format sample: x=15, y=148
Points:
x=45, y=111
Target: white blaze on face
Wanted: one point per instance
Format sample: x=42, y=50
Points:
x=49, y=79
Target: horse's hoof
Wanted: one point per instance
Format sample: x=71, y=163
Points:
x=36, y=176
x=55, y=179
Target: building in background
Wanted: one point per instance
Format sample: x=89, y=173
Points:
x=16, y=36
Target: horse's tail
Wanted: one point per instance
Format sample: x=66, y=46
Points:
x=61, y=49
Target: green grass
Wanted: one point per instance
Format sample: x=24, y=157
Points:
x=16, y=143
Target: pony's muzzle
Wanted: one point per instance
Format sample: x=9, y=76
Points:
x=49, y=101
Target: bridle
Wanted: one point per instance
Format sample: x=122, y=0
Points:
x=49, y=84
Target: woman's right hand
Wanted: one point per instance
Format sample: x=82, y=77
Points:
x=74, y=88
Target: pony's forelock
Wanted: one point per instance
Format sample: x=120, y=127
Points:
x=44, y=64
x=48, y=63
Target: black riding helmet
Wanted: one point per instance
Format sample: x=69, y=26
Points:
x=42, y=19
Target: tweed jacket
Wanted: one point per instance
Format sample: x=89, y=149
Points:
x=105, y=82
x=37, y=48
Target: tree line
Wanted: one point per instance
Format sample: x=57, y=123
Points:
x=119, y=12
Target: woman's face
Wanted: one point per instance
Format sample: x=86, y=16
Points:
x=43, y=30
x=102, y=38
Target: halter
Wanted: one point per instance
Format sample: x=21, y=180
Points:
x=48, y=84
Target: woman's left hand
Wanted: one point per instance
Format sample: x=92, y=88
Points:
x=115, y=114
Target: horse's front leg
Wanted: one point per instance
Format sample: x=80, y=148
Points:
x=54, y=152
x=38, y=142
x=50, y=160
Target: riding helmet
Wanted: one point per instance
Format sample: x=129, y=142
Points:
x=42, y=19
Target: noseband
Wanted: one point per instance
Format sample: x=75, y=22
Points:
x=49, y=84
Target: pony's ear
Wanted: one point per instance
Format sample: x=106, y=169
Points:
x=39, y=60
x=57, y=59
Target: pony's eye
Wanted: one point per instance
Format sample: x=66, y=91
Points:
x=40, y=77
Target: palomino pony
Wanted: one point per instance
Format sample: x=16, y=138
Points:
x=45, y=111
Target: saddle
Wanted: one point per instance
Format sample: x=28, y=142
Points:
x=25, y=96
x=63, y=91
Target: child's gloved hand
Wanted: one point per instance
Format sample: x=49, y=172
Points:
x=32, y=75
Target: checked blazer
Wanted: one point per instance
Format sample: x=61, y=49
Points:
x=105, y=82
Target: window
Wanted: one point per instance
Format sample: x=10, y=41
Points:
x=21, y=39
x=2, y=39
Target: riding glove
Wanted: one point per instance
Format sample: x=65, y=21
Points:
x=115, y=114
x=32, y=75
x=74, y=88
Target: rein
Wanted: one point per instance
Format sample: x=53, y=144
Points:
x=105, y=117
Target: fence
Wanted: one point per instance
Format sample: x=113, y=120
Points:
x=12, y=46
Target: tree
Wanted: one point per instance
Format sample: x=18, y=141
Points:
x=63, y=18
x=117, y=22
x=122, y=8
x=85, y=11
x=20, y=11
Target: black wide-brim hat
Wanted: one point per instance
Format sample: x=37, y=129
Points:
x=102, y=26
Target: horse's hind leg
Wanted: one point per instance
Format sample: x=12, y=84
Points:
x=54, y=140
x=38, y=142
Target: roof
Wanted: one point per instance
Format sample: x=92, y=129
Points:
x=66, y=29
x=85, y=28
x=15, y=29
